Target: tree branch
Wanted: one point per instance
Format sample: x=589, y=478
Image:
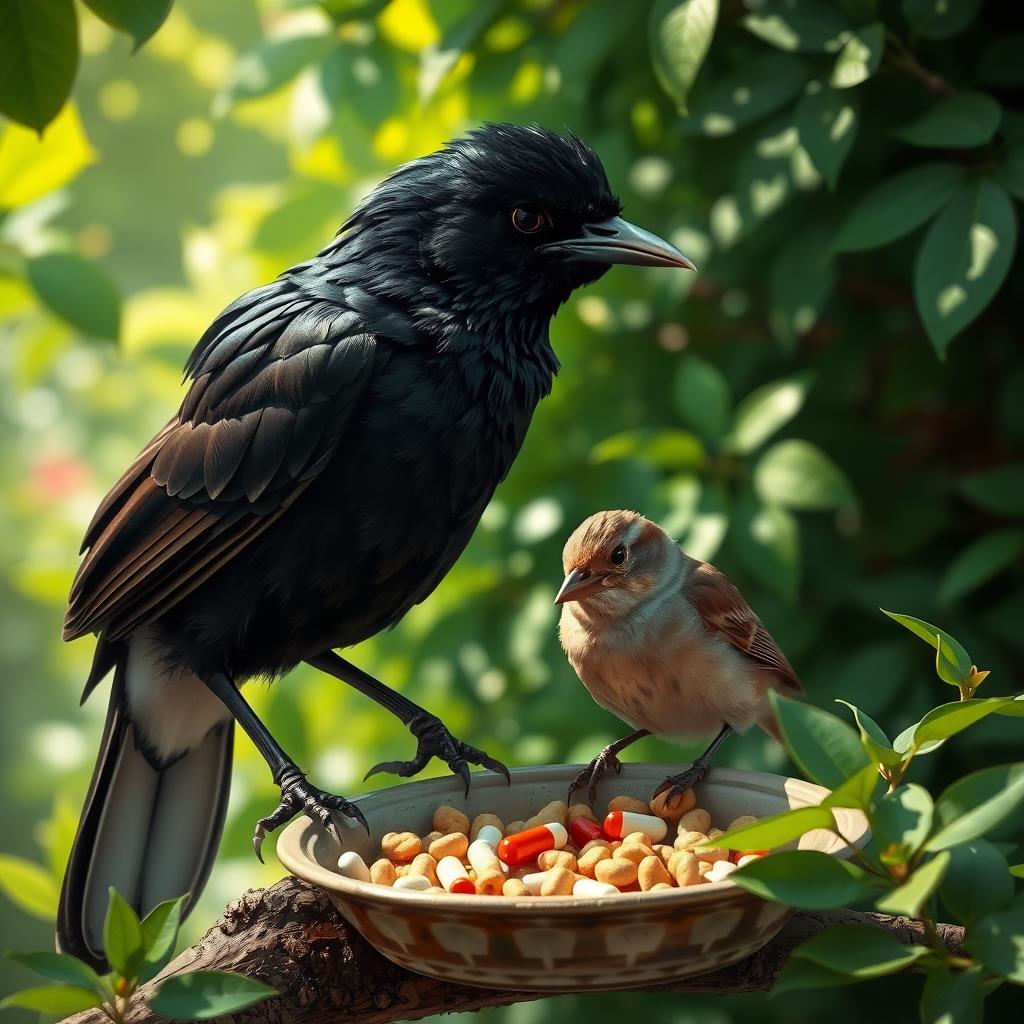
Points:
x=289, y=936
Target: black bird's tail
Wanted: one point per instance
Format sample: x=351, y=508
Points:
x=150, y=832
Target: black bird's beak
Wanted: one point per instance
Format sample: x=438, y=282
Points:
x=617, y=241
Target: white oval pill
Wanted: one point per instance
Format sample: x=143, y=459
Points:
x=534, y=881
x=592, y=887
x=720, y=871
x=351, y=865
x=416, y=883
x=481, y=855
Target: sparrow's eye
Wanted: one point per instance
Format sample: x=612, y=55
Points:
x=527, y=220
x=619, y=555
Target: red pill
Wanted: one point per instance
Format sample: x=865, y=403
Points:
x=526, y=846
x=623, y=823
x=583, y=830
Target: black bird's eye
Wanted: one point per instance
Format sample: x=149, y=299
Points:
x=528, y=221
x=619, y=555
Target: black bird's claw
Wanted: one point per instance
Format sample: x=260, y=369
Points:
x=297, y=797
x=434, y=740
x=594, y=772
x=674, y=785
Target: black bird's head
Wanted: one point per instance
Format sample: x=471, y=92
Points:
x=498, y=227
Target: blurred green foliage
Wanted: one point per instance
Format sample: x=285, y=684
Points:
x=832, y=409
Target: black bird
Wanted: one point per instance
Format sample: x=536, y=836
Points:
x=343, y=431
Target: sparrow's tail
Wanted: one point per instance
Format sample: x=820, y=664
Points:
x=150, y=832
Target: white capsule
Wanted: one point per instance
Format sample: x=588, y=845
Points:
x=720, y=871
x=351, y=865
x=489, y=834
x=534, y=881
x=747, y=858
x=452, y=876
x=481, y=856
x=414, y=883
x=592, y=887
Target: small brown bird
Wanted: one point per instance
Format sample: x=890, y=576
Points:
x=664, y=641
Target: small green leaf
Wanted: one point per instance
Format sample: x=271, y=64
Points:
x=139, y=18
x=957, y=661
x=827, y=120
x=964, y=259
x=979, y=562
x=998, y=942
x=38, y=59
x=122, y=937
x=1017, y=871
x=857, y=791
x=766, y=410
x=769, y=833
x=679, y=34
x=808, y=25
x=911, y=896
x=876, y=743
x=965, y=120
x=975, y=804
x=60, y=967
x=823, y=746
x=948, y=719
x=766, y=540
x=978, y=881
x=55, y=1000
x=1009, y=171
x=78, y=291
x=800, y=281
x=807, y=879
x=665, y=449
x=201, y=995
x=939, y=19
x=701, y=396
x=897, y=206
x=800, y=975
x=29, y=887
x=952, y=997
x=159, y=933
x=860, y=951
x=901, y=821
x=797, y=474
x=860, y=56
x=999, y=490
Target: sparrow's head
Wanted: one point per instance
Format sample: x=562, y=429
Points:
x=615, y=560
x=504, y=219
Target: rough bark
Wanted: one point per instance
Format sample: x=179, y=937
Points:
x=290, y=937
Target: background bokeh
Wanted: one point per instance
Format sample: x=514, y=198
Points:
x=784, y=412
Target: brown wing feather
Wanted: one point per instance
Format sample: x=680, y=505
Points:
x=269, y=401
x=724, y=611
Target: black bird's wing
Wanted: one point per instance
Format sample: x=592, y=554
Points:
x=275, y=380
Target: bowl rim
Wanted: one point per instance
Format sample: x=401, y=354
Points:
x=291, y=855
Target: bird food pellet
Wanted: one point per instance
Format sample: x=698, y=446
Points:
x=697, y=820
x=401, y=846
x=450, y=819
x=673, y=807
x=486, y=821
x=629, y=803
x=455, y=844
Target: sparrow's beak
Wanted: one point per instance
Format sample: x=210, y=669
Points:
x=617, y=241
x=578, y=584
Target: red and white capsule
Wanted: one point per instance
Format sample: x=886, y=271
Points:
x=452, y=875
x=621, y=823
x=527, y=846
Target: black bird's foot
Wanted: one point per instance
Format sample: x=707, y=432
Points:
x=674, y=785
x=595, y=772
x=297, y=797
x=434, y=740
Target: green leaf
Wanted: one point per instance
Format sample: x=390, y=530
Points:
x=963, y=259
x=799, y=975
x=979, y=562
x=948, y=719
x=823, y=746
x=860, y=56
x=38, y=59
x=766, y=410
x=901, y=821
x=122, y=937
x=911, y=896
x=364, y=77
x=857, y=791
x=798, y=474
x=999, y=490
x=769, y=833
x=956, y=660
x=139, y=18
x=29, y=887
x=701, y=396
x=437, y=61
x=159, y=931
x=55, y=1000
x=965, y=120
x=745, y=95
x=975, y=804
x=807, y=879
x=952, y=997
x=1000, y=62
x=60, y=967
x=800, y=282
x=679, y=34
x=978, y=881
x=271, y=65
x=827, y=122
x=875, y=742
x=1017, y=871
x=897, y=206
x=200, y=995
x=809, y=25
x=939, y=19
x=859, y=950
x=666, y=449
x=1009, y=171
x=998, y=942
x=77, y=291
x=766, y=540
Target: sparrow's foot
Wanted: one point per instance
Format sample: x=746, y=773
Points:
x=434, y=740
x=595, y=772
x=298, y=797
x=676, y=784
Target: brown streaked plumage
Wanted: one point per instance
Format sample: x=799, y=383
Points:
x=663, y=640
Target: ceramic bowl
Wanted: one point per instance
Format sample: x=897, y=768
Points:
x=556, y=943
